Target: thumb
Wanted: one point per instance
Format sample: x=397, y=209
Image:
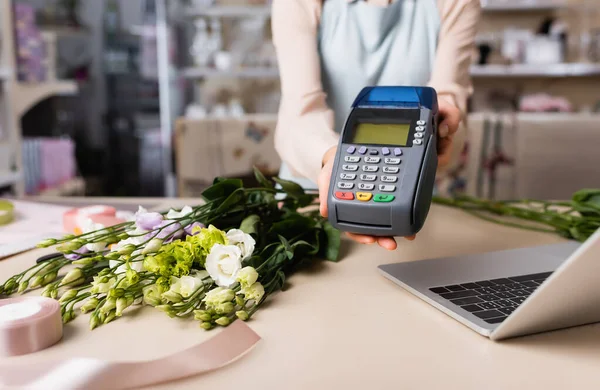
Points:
x=323, y=183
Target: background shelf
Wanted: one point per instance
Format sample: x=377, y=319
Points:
x=9, y=178
x=523, y=5
x=230, y=11
x=267, y=73
x=5, y=73
x=525, y=70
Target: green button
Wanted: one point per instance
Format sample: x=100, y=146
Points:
x=384, y=198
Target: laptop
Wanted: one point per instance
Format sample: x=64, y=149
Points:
x=511, y=293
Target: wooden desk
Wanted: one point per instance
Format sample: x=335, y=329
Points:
x=343, y=326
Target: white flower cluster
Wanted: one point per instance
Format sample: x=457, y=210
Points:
x=224, y=262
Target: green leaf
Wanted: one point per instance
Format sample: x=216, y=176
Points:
x=232, y=200
x=587, y=195
x=291, y=188
x=292, y=225
x=222, y=189
x=250, y=224
x=289, y=252
x=334, y=241
x=262, y=179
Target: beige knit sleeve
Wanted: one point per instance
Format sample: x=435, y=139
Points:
x=305, y=123
x=450, y=76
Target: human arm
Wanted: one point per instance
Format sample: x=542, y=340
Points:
x=305, y=123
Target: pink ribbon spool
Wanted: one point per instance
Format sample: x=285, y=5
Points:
x=104, y=215
x=29, y=324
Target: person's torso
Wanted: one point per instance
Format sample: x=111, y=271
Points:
x=362, y=44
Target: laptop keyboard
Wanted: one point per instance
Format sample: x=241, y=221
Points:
x=492, y=300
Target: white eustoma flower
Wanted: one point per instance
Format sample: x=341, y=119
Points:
x=223, y=264
x=89, y=226
x=254, y=292
x=172, y=214
x=247, y=276
x=120, y=267
x=188, y=285
x=242, y=240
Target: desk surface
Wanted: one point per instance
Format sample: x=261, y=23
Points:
x=343, y=326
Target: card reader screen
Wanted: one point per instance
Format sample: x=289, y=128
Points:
x=382, y=134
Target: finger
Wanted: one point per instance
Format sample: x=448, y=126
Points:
x=451, y=118
x=411, y=238
x=362, y=239
x=388, y=243
x=444, y=151
x=323, y=184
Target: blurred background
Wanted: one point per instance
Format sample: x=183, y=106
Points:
x=157, y=97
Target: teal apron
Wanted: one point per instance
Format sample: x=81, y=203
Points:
x=364, y=45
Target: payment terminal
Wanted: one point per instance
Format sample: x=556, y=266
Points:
x=385, y=167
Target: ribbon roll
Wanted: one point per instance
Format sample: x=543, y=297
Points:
x=29, y=325
x=227, y=346
x=74, y=220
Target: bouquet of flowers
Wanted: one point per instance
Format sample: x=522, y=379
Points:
x=216, y=262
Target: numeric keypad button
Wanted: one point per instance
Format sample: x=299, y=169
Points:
x=348, y=176
x=392, y=161
x=345, y=185
x=351, y=168
x=372, y=160
x=352, y=159
x=387, y=188
x=391, y=169
x=389, y=179
x=366, y=186
x=370, y=168
x=368, y=177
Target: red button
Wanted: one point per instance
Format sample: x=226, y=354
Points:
x=344, y=195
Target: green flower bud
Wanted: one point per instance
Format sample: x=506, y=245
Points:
x=84, y=261
x=247, y=276
x=202, y=315
x=101, y=317
x=68, y=295
x=109, y=305
x=172, y=296
x=116, y=292
x=153, y=246
x=68, y=316
x=206, y=325
x=132, y=276
x=73, y=277
x=23, y=286
x=123, y=236
x=122, y=304
x=223, y=321
x=167, y=309
x=225, y=308
x=94, y=322
x=69, y=247
x=127, y=249
x=242, y=315
x=10, y=286
x=111, y=316
x=36, y=281
x=90, y=305
x=50, y=277
x=240, y=301
x=113, y=256
x=47, y=243
x=54, y=293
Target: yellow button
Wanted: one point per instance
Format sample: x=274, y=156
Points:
x=364, y=196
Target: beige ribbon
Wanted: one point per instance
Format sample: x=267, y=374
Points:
x=227, y=346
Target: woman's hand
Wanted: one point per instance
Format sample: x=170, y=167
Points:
x=450, y=120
